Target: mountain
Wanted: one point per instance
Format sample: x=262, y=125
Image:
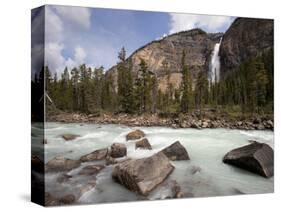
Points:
x=197, y=44
x=246, y=38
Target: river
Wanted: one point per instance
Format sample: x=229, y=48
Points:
x=202, y=176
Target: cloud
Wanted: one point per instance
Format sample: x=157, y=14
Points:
x=53, y=56
x=53, y=26
x=78, y=16
x=59, y=21
x=209, y=23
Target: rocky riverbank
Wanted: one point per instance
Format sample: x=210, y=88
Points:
x=179, y=121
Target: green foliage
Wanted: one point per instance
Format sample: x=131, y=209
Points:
x=249, y=89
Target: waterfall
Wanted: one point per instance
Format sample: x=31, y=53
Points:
x=214, y=68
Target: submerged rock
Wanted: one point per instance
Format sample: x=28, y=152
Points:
x=91, y=170
x=69, y=137
x=64, y=178
x=176, y=152
x=99, y=154
x=118, y=150
x=143, y=175
x=143, y=144
x=61, y=164
x=256, y=157
x=137, y=134
x=64, y=200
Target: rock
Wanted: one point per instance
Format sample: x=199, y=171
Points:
x=143, y=144
x=204, y=124
x=64, y=178
x=246, y=38
x=69, y=137
x=91, y=170
x=143, y=175
x=61, y=164
x=110, y=160
x=176, y=152
x=99, y=154
x=256, y=157
x=166, y=190
x=37, y=164
x=195, y=169
x=53, y=201
x=67, y=199
x=118, y=150
x=137, y=134
x=196, y=42
x=259, y=127
x=91, y=184
x=195, y=125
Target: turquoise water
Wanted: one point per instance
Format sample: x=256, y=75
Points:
x=206, y=149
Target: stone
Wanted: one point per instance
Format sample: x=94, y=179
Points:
x=118, y=150
x=60, y=163
x=137, y=134
x=143, y=175
x=255, y=157
x=91, y=170
x=64, y=178
x=176, y=152
x=99, y=154
x=67, y=199
x=69, y=137
x=143, y=144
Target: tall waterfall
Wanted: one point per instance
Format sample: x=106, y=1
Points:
x=214, y=68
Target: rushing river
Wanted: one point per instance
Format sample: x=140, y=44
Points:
x=204, y=175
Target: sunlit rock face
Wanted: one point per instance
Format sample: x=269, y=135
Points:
x=245, y=38
x=197, y=44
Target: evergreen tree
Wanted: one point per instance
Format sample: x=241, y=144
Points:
x=186, y=86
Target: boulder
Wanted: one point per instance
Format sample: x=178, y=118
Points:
x=256, y=157
x=137, y=134
x=61, y=164
x=69, y=137
x=143, y=175
x=143, y=144
x=118, y=150
x=99, y=154
x=91, y=170
x=176, y=152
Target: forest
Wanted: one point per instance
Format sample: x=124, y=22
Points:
x=247, y=90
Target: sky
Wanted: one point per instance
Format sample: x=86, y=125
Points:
x=94, y=36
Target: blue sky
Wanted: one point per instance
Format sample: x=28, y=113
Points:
x=76, y=35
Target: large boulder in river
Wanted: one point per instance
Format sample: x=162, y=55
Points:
x=176, y=152
x=61, y=164
x=69, y=137
x=143, y=144
x=137, y=134
x=256, y=157
x=143, y=175
x=118, y=150
x=99, y=154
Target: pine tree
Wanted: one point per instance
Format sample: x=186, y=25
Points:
x=186, y=86
x=125, y=84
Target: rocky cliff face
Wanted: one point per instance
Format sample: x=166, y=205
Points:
x=197, y=44
x=245, y=38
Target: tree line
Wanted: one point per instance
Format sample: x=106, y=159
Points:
x=87, y=90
